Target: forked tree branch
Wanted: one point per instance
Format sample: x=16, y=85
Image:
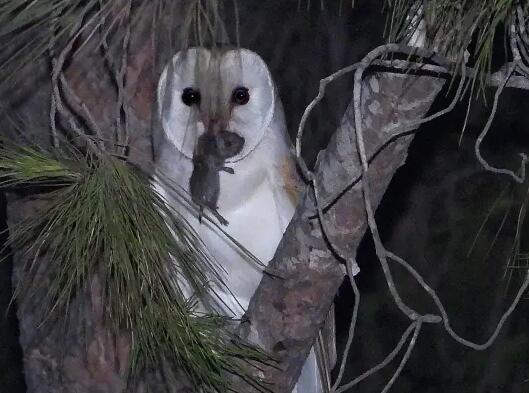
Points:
x=285, y=315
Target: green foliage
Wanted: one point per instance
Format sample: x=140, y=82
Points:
x=107, y=221
x=24, y=166
x=30, y=28
x=453, y=26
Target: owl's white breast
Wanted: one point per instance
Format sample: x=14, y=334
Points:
x=256, y=208
x=256, y=224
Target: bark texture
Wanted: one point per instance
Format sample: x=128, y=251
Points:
x=82, y=356
x=285, y=315
x=77, y=356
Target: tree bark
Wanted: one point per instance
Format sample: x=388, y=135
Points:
x=83, y=357
x=286, y=313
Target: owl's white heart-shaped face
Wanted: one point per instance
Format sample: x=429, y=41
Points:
x=200, y=91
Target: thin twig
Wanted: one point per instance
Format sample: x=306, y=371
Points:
x=357, y=134
x=81, y=107
x=321, y=93
x=352, y=326
x=518, y=178
x=382, y=253
x=384, y=362
x=444, y=315
x=494, y=80
x=122, y=129
x=53, y=103
x=405, y=358
x=57, y=70
x=377, y=52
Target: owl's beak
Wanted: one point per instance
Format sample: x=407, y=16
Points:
x=214, y=125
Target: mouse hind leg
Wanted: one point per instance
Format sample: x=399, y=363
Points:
x=219, y=217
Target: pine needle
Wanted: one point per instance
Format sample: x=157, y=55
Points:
x=454, y=26
x=107, y=220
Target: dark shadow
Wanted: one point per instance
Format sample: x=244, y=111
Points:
x=11, y=367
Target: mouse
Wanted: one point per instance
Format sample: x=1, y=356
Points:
x=209, y=159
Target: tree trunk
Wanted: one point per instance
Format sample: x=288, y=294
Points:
x=285, y=314
x=82, y=357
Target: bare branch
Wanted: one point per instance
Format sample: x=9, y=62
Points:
x=382, y=253
x=382, y=364
x=481, y=137
x=352, y=326
x=80, y=107
x=495, y=79
x=122, y=130
x=377, y=52
x=272, y=322
x=321, y=93
x=53, y=103
x=359, y=137
x=57, y=71
x=444, y=315
x=405, y=358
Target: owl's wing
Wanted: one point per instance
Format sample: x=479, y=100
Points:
x=282, y=173
x=286, y=187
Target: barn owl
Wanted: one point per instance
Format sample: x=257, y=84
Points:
x=225, y=144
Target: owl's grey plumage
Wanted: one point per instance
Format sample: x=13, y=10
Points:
x=203, y=95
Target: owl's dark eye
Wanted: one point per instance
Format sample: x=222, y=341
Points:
x=190, y=96
x=240, y=96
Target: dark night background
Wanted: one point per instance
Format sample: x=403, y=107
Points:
x=429, y=216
